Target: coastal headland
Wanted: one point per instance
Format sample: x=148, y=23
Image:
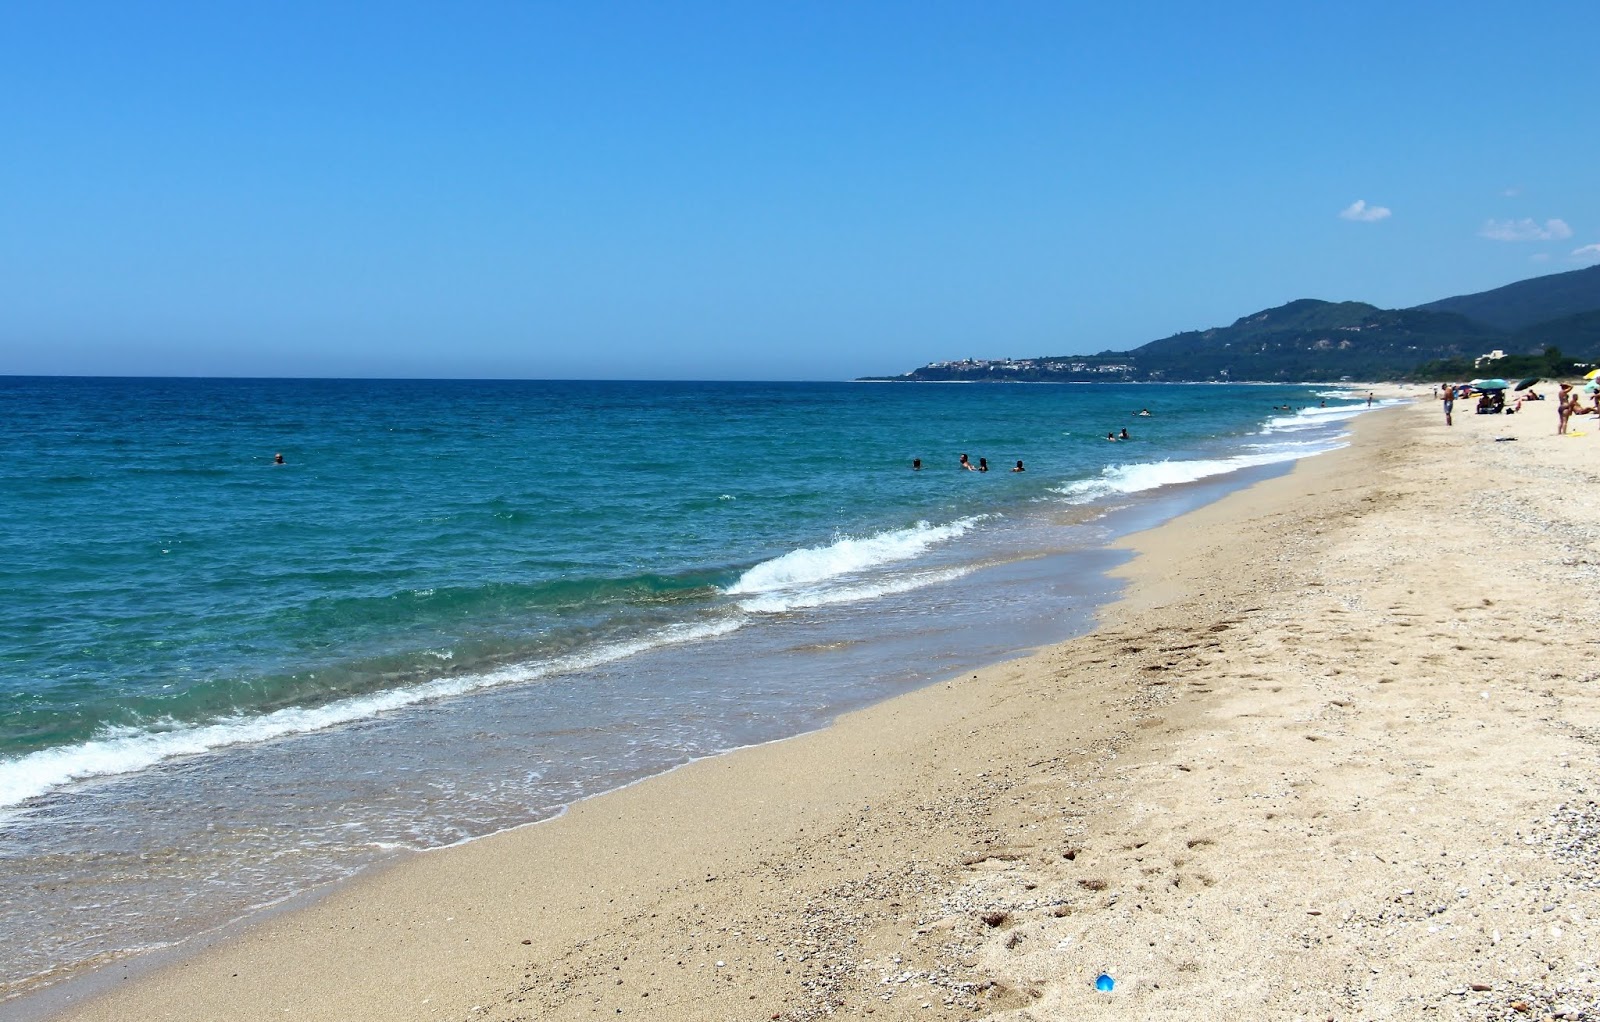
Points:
x=1333, y=755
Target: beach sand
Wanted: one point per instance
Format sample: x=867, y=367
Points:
x=1332, y=757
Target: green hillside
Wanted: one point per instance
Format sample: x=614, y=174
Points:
x=1556, y=319
x=1315, y=340
x=1577, y=335
x=1518, y=306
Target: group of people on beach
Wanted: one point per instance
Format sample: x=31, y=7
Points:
x=1569, y=402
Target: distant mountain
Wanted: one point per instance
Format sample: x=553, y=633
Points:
x=1577, y=335
x=1527, y=302
x=1310, y=339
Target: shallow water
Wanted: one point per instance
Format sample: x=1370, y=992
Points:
x=460, y=606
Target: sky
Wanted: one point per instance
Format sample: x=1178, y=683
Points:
x=760, y=191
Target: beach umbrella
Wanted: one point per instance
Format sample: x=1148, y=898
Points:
x=1591, y=374
x=1525, y=384
x=1490, y=384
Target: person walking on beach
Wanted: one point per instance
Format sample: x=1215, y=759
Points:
x=1369, y=399
x=1566, y=404
x=1449, y=403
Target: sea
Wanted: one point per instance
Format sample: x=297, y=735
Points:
x=458, y=606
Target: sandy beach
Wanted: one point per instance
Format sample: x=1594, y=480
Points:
x=1331, y=757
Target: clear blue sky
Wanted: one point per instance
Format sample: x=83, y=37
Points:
x=760, y=191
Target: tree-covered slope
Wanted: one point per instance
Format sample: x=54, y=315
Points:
x=1577, y=336
x=1527, y=302
x=1310, y=339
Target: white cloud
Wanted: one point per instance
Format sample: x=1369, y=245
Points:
x=1525, y=230
x=1360, y=211
x=1587, y=252
x=1512, y=193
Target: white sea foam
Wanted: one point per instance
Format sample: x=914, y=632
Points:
x=125, y=750
x=1136, y=478
x=822, y=596
x=811, y=566
x=1312, y=418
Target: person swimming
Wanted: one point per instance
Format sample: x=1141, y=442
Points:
x=277, y=459
x=1019, y=467
x=967, y=464
x=916, y=464
x=983, y=464
x=1124, y=435
x=1144, y=411
x=1112, y=437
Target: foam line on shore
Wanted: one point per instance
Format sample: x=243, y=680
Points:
x=126, y=750
x=1138, y=477
x=846, y=555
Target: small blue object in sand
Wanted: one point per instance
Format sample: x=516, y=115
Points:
x=1104, y=983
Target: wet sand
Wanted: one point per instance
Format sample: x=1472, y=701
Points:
x=1332, y=756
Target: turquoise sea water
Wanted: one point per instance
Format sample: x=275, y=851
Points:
x=459, y=605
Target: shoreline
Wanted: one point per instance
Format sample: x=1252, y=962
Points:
x=1034, y=576
x=60, y=999
x=41, y=998
x=1140, y=800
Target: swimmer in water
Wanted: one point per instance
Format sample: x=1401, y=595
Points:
x=1124, y=435
x=1112, y=437
x=983, y=464
x=1019, y=467
x=966, y=464
x=277, y=459
x=916, y=464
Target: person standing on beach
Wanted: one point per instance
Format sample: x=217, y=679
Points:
x=1449, y=404
x=1566, y=404
x=1369, y=399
